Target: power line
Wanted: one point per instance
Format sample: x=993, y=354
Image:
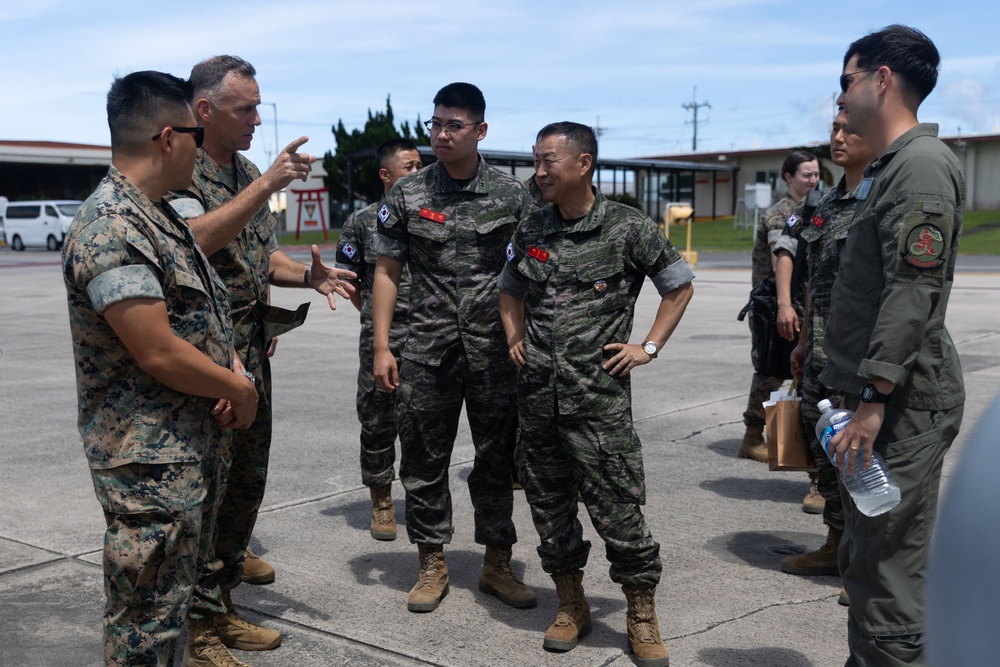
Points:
x=695, y=105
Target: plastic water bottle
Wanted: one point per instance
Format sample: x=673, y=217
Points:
x=874, y=490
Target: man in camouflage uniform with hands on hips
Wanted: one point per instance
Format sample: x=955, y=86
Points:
x=449, y=224
x=395, y=158
x=567, y=298
x=157, y=378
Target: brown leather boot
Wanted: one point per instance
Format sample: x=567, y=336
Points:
x=819, y=562
x=237, y=632
x=643, y=628
x=383, y=513
x=573, y=618
x=753, y=446
x=432, y=585
x=814, y=502
x=205, y=649
x=498, y=579
x=255, y=570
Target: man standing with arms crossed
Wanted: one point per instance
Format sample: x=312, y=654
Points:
x=226, y=205
x=449, y=224
x=395, y=158
x=152, y=342
x=888, y=349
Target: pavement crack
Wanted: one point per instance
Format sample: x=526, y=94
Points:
x=754, y=612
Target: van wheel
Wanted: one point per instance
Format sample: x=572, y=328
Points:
x=16, y=243
x=51, y=243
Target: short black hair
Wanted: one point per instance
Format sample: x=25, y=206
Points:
x=909, y=53
x=794, y=159
x=208, y=75
x=141, y=103
x=582, y=137
x=462, y=96
x=389, y=148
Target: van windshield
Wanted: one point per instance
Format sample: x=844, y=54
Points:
x=69, y=210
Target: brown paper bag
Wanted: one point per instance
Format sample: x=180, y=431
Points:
x=787, y=445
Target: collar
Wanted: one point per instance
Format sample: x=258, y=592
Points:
x=480, y=183
x=159, y=214
x=212, y=170
x=593, y=220
x=915, y=132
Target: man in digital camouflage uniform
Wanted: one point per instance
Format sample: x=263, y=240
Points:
x=568, y=291
x=449, y=224
x=887, y=346
x=226, y=206
x=824, y=234
x=157, y=380
x=395, y=158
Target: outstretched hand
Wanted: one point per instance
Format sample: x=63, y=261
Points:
x=330, y=282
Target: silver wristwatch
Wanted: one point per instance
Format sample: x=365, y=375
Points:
x=649, y=347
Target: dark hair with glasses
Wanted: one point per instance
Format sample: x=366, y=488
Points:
x=388, y=149
x=142, y=103
x=909, y=53
x=208, y=76
x=795, y=158
x=462, y=96
x=581, y=137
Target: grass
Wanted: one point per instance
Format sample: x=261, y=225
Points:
x=308, y=238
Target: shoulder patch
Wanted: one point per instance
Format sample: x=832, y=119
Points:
x=818, y=222
x=383, y=214
x=924, y=245
x=510, y=252
x=350, y=250
x=792, y=219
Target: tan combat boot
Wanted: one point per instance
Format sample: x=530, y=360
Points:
x=842, y=599
x=383, y=513
x=255, y=570
x=753, y=446
x=815, y=563
x=498, y=579
x=237, y=632
x=814, y=502
x=643, y=629
x=205, y=649
x=432, y=585
x=573, y=618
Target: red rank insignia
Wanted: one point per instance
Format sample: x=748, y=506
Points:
x=818, y=222
x=538, y=253
x=432, y=215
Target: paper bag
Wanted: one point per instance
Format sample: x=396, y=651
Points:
x=787, y=445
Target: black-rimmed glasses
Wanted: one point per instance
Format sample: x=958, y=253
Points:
x=845, y=79
x=198, y=132
x=449, y=128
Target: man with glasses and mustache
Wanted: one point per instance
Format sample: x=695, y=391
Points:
x=889, y=352
x=157, y=375
x=226, y=206
x=449, y=224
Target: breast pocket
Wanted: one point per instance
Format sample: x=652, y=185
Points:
x=603, y=274
x=492, y=237
x=438, y=232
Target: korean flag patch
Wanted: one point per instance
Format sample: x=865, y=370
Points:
x=383, y=214
x=510, y=251
x=792, y=219
x=350, y=250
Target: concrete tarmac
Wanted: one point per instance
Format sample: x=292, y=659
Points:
x=723, y=523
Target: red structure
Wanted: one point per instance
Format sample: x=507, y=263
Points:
x=310, y=201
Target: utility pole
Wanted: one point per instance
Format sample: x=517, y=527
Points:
x=694, y=104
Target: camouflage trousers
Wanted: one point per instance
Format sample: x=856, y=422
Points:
x=376, y=412
x=812, y=392
x=601, y=457
x=761, y=387
x=160, y=518
x=242, y=496
x=428, y=407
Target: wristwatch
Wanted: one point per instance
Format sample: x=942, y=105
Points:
x=869, y=394
x=248, y=375
x=307, y=276
x=649, y=347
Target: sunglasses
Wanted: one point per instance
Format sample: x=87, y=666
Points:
x=198, y=132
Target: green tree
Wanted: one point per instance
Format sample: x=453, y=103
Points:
x=379, y=127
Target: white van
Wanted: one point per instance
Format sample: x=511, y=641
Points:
x=39, y=223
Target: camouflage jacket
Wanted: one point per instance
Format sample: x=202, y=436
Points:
x=825, y=235
x=452, y=237
x=355, y=252
x=579, y=280
x=120, y=247
x=245, y=262
x=769, y=228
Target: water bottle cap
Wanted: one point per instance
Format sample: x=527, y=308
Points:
x=824, y=405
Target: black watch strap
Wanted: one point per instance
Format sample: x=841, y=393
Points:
x=869, y=394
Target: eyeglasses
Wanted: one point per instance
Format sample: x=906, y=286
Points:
x=198, y=132
x=845, y=79
x=449, y=128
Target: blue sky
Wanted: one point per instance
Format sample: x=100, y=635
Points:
x=768, y=68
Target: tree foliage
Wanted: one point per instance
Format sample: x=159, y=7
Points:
x=379, y=127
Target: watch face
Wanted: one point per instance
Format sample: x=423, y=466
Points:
x=867, y=392
x=649, y=348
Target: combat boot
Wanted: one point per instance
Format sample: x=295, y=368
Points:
x=753, y=446
x=237, y=632
x=573, y=618
x=643, y=628
x=498, y=579
x=842, y=599
x=383, y=513
x=255, y=570
x=815, y=563
x=432, y=585
x=814, y=502
x=205, y=649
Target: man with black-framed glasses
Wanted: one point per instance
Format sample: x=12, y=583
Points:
x=449, y=223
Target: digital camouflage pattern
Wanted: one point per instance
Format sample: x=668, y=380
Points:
x=537, y=198
x=154, y=452
x=769, y=228
x=579, y=281
x=355, y=252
